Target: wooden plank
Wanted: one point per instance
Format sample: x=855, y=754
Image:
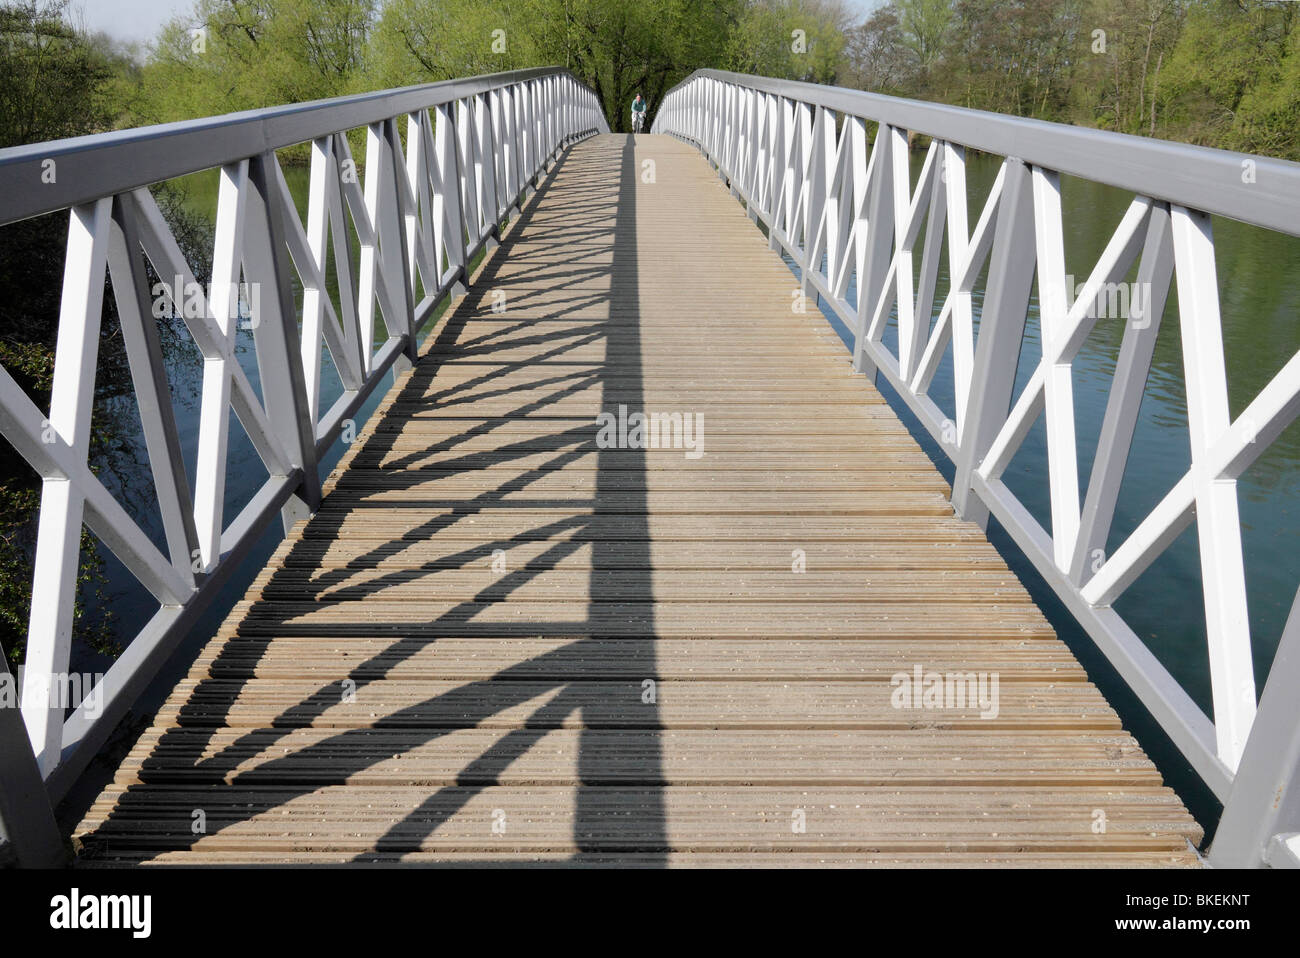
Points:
x=472, y=616
x=500, y=644
x=965, y=585
x=558, y=659
x=356, y=819
x=790, y=858
x=591, y=703
x=356, y=555
x=680, y=756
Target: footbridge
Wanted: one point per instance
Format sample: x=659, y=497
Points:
x=634, y=563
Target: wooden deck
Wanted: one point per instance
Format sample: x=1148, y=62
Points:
x=499, y=642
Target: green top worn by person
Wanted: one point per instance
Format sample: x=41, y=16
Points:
x=638, y=112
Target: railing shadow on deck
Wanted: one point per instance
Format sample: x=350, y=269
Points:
x=595, y=831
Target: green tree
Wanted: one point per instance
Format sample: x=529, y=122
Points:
x=1013, y=56
x=789, y=39
x=620, y=49
x=426, y=41
x=51, y=77
x=1121, y=60
x=1231, y=79
x=617, y=48
x=877, y=59
x=230, y=55
x=925, y=27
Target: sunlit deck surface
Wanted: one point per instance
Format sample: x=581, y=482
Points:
x=499, y=642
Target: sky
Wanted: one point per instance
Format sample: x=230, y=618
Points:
x=140, y=20
x=129, y=20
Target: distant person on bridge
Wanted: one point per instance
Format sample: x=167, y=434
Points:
x=638, y=113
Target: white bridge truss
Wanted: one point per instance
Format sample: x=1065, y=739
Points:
x=420, y=208
x=827, y=172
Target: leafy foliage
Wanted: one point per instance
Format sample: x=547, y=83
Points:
x=1220, y=73
x=231, y=55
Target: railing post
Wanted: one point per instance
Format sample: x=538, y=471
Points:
x=780, y=175
x=486, y=152
x=449, y=194
x=58, y=538
x=552, y=117
x=701, y=103
x=544, y=99
x=537, y=106
x=528, y=137
x=509, y=150
x=26, y=816
x=275, y=336
x=709, y=119
x=564, y=97
x=876, y=231
x=1002, y=326
x=468, y=159
x=398, y=254
x=418, y=232
x=1218, y=519
x=813, y=158
x=739, y=181
x=345, y=267
x=908, y=345
x=963, y=327
x=1263, y=809
x=555, y=119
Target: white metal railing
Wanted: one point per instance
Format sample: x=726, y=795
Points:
x=839, y=201
x=420, y=211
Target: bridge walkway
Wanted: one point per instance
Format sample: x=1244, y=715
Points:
x=505, y=639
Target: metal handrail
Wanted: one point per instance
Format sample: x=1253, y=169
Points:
x=107, y=163
x=1206, y=179
x=836, y=196
x=419, y=210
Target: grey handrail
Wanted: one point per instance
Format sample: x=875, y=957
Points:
x=1265, y=193
x=88, y=167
